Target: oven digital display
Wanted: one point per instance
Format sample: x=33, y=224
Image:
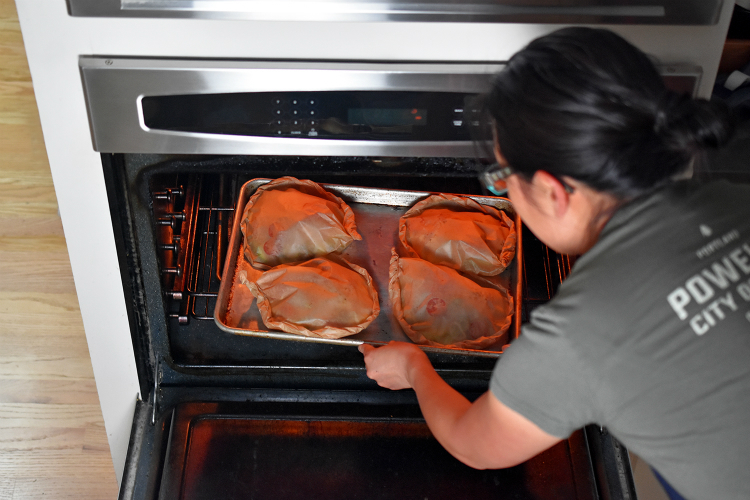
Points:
x=380, y=117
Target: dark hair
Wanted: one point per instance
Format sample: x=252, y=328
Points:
x=587, y=104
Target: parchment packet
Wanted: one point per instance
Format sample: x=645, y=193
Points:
x=458, y=232
x=438, y=306
x=291, y=220
x=322, y=297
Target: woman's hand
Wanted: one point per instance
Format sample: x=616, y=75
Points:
x=392, y=366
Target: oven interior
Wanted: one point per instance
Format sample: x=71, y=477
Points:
x=175, y=216
x=251, y=417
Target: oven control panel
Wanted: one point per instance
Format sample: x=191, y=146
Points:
x=360, y=115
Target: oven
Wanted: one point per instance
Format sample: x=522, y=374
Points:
x=381, y=137
x=234, y=407
x=159, y=117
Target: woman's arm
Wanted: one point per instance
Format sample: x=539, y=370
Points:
x=485, y=434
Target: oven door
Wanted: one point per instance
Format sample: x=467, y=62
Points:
x=344, y=445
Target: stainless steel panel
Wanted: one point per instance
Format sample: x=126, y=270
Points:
x=377, y=212
x=114, y=89
x=697, y=12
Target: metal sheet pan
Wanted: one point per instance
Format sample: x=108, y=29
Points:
x=377, y=213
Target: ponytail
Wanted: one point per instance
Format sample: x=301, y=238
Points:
x=687, y=124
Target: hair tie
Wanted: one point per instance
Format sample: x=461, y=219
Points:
x=660, y=120
x=665, y=104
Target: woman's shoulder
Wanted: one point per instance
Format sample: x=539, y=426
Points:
x=673, y=217
x=649, y=249
x=716, y=188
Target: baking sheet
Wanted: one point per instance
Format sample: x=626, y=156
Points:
x=377, y=213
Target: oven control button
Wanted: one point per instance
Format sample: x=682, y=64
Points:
x=297, y=127
x=311, y=128
x=458, y=117
x=309, y=125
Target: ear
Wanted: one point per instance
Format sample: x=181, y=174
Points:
x=554, y=196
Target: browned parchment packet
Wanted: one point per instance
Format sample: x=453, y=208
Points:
x=438, y=306
x=291, y=220
x=325, y=298
x=458, y=232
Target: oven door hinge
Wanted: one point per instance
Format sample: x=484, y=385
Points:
x=156, y=392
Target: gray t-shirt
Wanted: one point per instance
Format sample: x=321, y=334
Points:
x=650, y=337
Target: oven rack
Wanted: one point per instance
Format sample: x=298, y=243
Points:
x=198, y=234
x=203, y=282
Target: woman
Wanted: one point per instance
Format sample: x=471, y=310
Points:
x=650, y=334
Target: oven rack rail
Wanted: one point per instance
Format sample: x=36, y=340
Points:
x=196, y=223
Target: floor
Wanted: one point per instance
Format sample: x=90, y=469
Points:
x=52, y=439
x=646, y=485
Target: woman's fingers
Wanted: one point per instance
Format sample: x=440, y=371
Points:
x=365, y=348
x=389, y=365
